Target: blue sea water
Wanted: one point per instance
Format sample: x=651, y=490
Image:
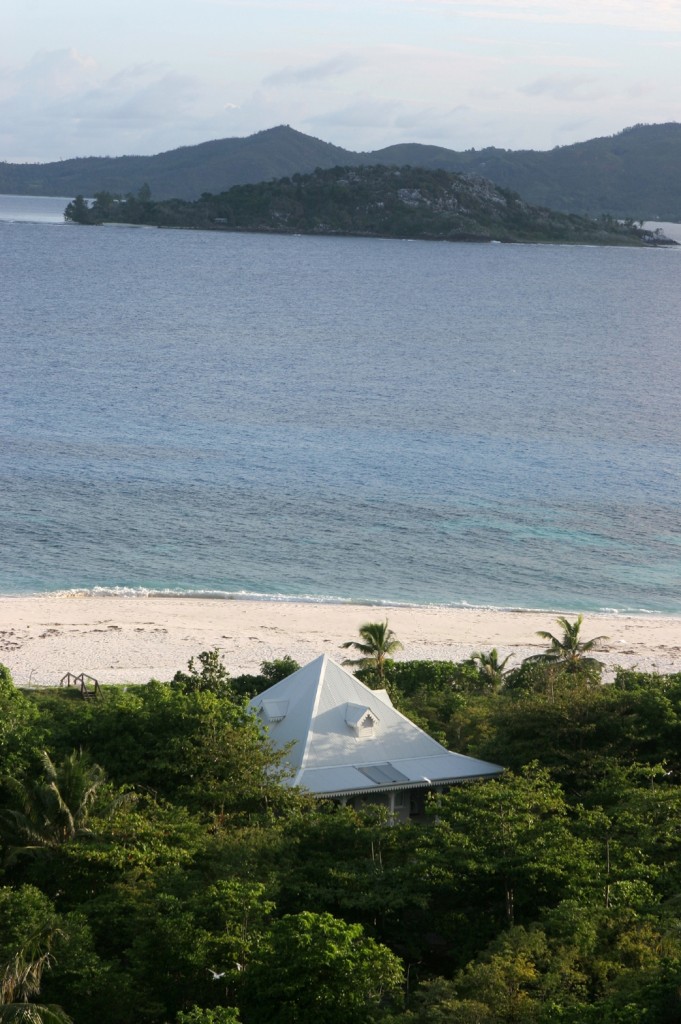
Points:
x=337, y=418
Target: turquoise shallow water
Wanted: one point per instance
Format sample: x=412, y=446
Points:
x=338, y=418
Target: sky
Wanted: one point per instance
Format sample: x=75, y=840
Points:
x=105, y=78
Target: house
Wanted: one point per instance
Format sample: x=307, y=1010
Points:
x=349, y=743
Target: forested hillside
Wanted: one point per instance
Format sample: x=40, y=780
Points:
x=373, y=201
x=633, y=174
x=155, y=871
x=185, y=172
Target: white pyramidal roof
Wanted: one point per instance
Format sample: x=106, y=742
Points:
x=346, y=739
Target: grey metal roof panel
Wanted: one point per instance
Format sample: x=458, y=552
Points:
x=328, y=754
x=416, y=773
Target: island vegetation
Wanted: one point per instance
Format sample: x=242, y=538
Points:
x=373, y=201
x=155, y=871
x=633, y=173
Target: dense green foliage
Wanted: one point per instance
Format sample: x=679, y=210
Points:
x=392, y=202
x=631, y=174
x=171, y=879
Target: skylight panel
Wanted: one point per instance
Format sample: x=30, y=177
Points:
x=383, y=773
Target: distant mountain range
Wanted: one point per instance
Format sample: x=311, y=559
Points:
x=634, y=174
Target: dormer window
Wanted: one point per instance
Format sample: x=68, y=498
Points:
x=361, y=719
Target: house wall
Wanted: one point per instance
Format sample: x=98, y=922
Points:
x=405, y=804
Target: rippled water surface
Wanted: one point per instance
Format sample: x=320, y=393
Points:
x=350, y=418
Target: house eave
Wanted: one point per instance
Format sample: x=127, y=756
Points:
x=399, y=787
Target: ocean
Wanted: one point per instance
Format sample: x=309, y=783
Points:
x=371, y=420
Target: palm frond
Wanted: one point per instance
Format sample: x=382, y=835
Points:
x=569, y=649
x=33, y=1013
x=365, y=649
x=377, y=641
x=588, y=645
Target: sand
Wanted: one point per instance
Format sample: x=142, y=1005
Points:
x=134, y=639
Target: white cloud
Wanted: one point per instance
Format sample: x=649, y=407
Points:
x=53, y=75
x=570, y=88
x=331, y=68
x=160, y=98
x=653, y=15
x=393, y=72
x=363, y=112
x=62, y=104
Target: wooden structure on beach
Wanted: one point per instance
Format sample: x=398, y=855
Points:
x=87, y=685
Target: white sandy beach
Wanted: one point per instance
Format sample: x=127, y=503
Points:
x=134, y=639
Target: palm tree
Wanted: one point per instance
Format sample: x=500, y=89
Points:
x=490, y=670
x=568, y=651
x=20, y=980
x=56, y=806
x=377, y=642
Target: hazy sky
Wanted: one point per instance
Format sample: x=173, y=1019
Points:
x=101, y=77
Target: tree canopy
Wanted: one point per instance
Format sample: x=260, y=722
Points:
x=379, y=200
x=153, y=870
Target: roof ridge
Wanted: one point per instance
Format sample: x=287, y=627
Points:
x=313, y=713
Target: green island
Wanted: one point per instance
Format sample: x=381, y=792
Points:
x=154, y=870
x=370, y=202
